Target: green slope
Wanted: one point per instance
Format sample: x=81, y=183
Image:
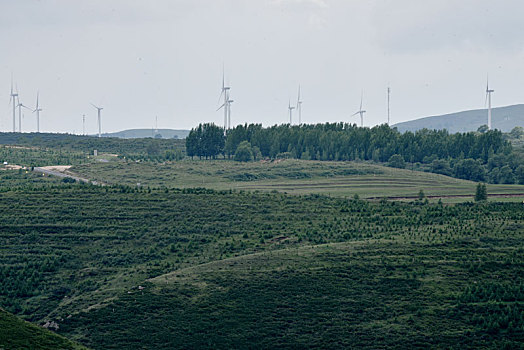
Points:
x=374, y=295
x=292, y=176
x=18, y=334
x=142, y=133
x=260, y=269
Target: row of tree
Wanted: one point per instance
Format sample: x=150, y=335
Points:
x=471, y=155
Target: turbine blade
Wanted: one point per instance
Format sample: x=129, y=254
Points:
x=94, y=106
x=486, y=100
x=219, y=108
x=355, y=113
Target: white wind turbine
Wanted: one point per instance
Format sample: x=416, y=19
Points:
x=229, y=102
x=360, y=111
x=20, y=105
x=99, y=120
x=37, y=110
x=13, y=98
x=290, y=108
x=299, y=107
x=226, y=105
x=488, y=100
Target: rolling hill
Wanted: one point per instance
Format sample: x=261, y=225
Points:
x=503, y=118
x=16, y=333
x=141, y=133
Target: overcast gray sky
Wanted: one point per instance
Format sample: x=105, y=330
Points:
x=141, y=59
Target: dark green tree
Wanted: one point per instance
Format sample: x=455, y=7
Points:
x=244, y=152
x=481, y=193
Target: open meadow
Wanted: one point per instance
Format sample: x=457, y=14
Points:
x=341, y=179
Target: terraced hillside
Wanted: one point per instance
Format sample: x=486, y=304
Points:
x=117, y=267
x=341, y=179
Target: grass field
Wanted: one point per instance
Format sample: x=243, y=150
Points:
x=342, y=179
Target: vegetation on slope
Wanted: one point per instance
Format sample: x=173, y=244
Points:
x=465, y=293
x=135, y=149
x=17, y=334
x=471, y=156
x=77, y=254
x=342, y=179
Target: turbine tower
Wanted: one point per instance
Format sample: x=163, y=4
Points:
x=83, y=124
x=99, y=120
x=13, y=98
x=299, y=107
x=389, y=92
x=20, y=105
x=360, y=111
x=37, y=110
x=291, y=108
x=229, y=102
x=488, y=98
x=225, y=92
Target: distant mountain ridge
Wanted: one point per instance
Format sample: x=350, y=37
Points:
x=503, y=118
x=142, y=133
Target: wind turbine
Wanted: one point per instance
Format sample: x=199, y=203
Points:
x=20, y=105
x=360, y=111
x=37, y=110
x=488, y=99
x=389, y=92
x=83, y=124
x=291, y=108
x=299, y=107
x=225, y=92
x=13, y=97
x=99, y=120
x=229, y=102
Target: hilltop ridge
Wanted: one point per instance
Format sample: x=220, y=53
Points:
x=503, y=119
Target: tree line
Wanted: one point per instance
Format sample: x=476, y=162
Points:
x=474, y=156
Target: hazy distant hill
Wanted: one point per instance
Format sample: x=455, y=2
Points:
x=503, y=118
x=140, y=133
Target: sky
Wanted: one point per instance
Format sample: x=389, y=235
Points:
x=147, y=59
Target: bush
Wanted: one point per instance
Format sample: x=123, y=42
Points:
x=470, y=169
x=244, y=153
x=396, y=161
x=441, y=166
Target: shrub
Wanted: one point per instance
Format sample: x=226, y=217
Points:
x=396, y=161
x=244, y=152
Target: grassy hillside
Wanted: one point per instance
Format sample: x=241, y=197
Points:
x=17, y=334
x=372, y=294
x=503, y=118
x=143, y=133
x=58, y=146
x=343, y=179
x=115, y=268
